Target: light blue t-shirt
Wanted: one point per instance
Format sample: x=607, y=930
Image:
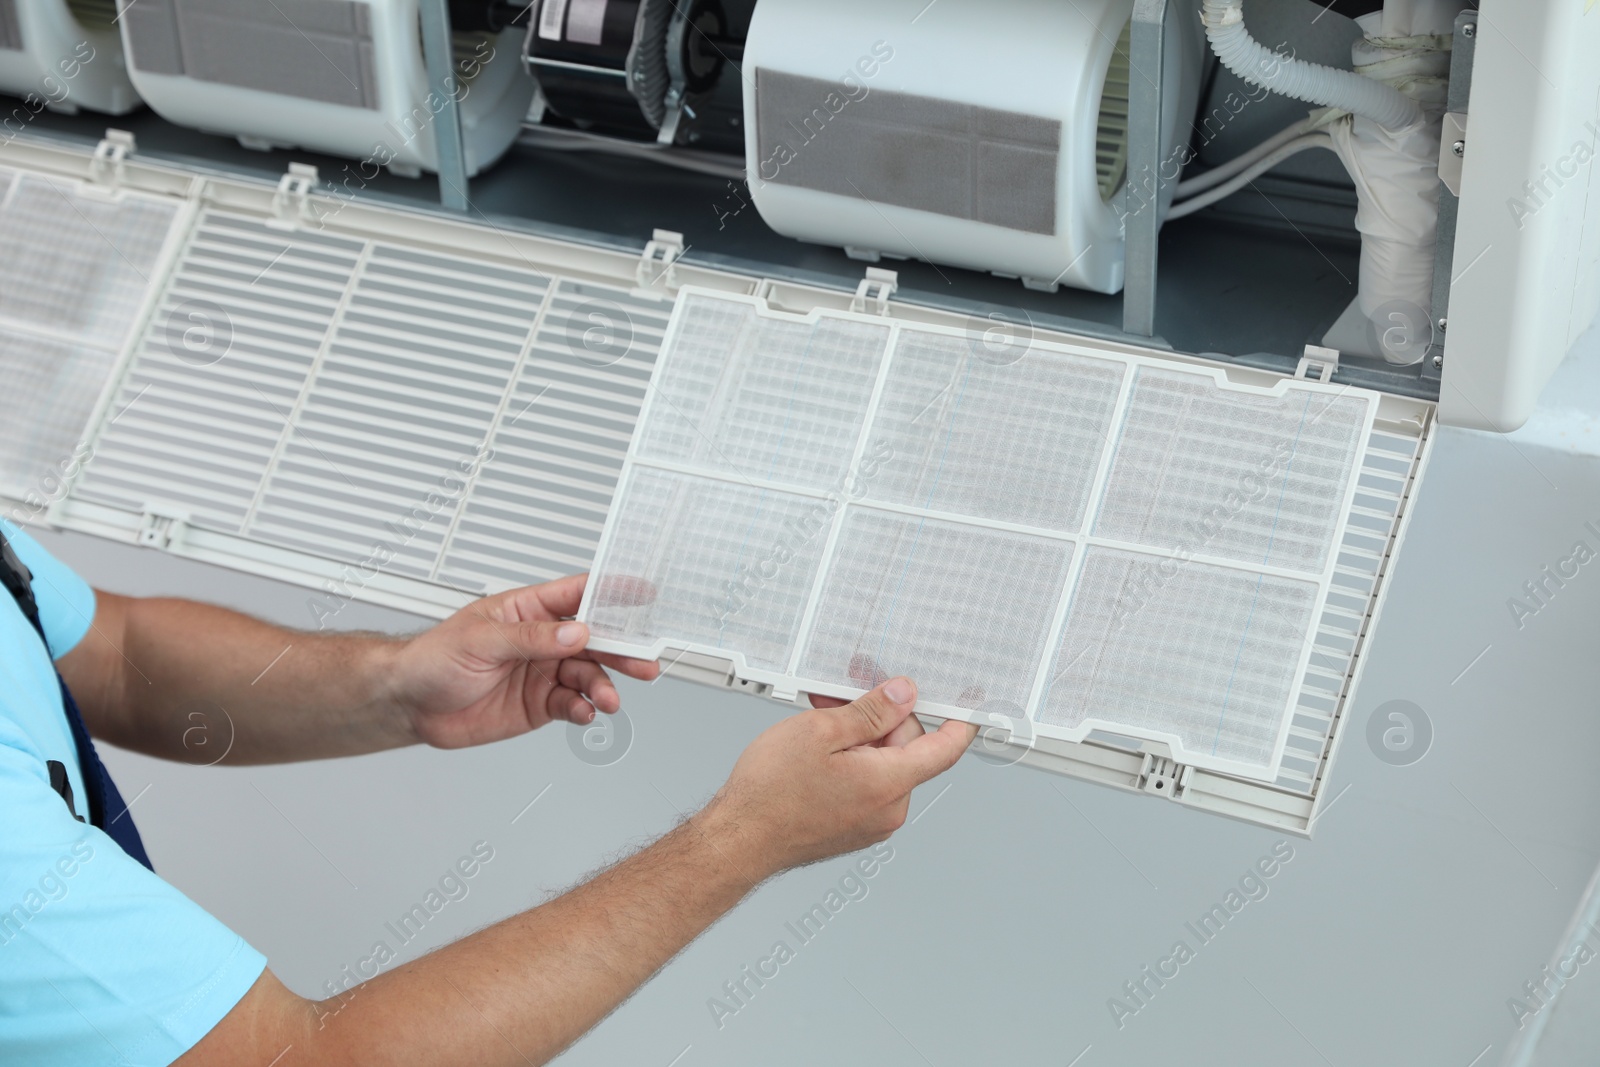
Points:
x=101, y=962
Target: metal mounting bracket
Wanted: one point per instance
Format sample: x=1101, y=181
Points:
x=1143, y=185
x=1463, y=51
x=1452, y=150
x=438, y=62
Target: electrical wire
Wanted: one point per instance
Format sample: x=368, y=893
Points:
x=1219, y=174
x=562, y=140
x=1255, y=170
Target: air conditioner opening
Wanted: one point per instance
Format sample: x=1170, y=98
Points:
x=94, y=14
x=1111, y=131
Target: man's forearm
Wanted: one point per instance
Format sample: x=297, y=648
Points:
x=189, y=681
x=818, y=784
x=522, y=990
x=527, y=988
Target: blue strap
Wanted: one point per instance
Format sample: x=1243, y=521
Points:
x=107, y=810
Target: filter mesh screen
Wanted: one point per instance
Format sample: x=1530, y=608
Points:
x=1205, y=652
x=1251, y=478
x=315, y=49
x=964, y=610
x=762, y=398
x=50, y=390
x=921, y=152
x=1017, y=440
x=76, y=266
x=732, y=566
x=1084, y=538
x=73, y=276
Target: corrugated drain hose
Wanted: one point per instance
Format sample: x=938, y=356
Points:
x=1311, y=82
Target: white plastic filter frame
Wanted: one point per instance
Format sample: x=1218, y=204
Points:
x=1396, y=457
x=791, y=679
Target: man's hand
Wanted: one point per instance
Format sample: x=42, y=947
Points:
x=515, y=994
x=508, y=664
x=831, y=780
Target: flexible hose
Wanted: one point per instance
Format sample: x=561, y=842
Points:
x=1310, y=82
x=1219, y=174
x=1250, y=174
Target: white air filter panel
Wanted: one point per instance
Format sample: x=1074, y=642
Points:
x=1062, y=538
x=699, y=595
x=1210, y=654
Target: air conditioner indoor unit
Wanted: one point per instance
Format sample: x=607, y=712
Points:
x=63, y=55
x=345, y=77
x=822, y=466
x=994, y=137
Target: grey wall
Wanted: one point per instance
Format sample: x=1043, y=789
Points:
x=1016, y=903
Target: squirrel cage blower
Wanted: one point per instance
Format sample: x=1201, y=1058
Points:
x=988, y=134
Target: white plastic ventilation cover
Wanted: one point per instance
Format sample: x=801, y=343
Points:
x=1065, y=539
x=371, y=402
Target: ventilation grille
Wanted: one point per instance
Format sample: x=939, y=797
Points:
x=1387, y=465
x=921, y=152
x=542, y=496
x=73, y=278
x=203, y=408
x=450, y=421
x=394, y=422
x=825, y=501
x=312, y=49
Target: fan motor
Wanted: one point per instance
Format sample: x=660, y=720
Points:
x=628, y=67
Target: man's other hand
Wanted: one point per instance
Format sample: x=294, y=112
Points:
x=508, y=664
x=831, y=780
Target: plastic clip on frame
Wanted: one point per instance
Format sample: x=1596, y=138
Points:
x=1062, y=540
